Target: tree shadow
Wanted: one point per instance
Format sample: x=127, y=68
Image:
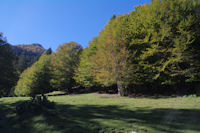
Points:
x=92, y=118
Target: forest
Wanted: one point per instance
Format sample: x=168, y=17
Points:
x=153, y=49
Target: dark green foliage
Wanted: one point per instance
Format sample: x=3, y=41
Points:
x=48, y=51
x=113, y=17
x=21, y=63
x=166, y=37
x=8, y=76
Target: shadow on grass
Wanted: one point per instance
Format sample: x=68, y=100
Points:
x=91, y=119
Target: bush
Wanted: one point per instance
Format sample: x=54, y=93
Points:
x=36, y=104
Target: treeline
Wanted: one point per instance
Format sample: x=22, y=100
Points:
x=13, y=61
x=155, y=47
x=53, y=71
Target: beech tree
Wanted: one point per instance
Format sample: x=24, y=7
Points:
x=63, y=64
x=83, y=74
x=166, y=38
x=111, y=63
x=156, y=44
x=35, y=79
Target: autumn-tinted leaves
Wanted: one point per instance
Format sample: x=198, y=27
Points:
x=156, y=44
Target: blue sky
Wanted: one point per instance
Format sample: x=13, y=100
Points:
x=54, y=22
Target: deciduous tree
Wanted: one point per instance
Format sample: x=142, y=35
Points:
x=63, y=64
x=35, y=79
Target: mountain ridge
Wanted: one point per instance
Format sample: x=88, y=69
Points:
x=27, y=54
x=30, y=49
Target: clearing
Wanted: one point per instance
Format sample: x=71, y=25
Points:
x=94, y=112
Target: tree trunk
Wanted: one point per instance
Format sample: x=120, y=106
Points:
x=122, y=90
x=119, y=87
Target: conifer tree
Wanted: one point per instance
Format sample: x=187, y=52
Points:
x=8, y=73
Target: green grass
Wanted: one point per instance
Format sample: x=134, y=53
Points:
x=101, y=113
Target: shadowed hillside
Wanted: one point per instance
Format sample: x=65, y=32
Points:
x=32, y=49
x=27, y=55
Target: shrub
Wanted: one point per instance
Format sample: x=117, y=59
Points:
x=36, y=104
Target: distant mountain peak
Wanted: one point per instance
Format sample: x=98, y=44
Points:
x=33, y=48
x=27, y=54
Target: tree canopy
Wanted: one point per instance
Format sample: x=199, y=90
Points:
x=35, y=79
x=63, y=64
x=157, y=43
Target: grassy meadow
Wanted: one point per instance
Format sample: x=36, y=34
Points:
x=103, y=113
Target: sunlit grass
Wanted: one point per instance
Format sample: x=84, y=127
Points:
x=104, y=113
